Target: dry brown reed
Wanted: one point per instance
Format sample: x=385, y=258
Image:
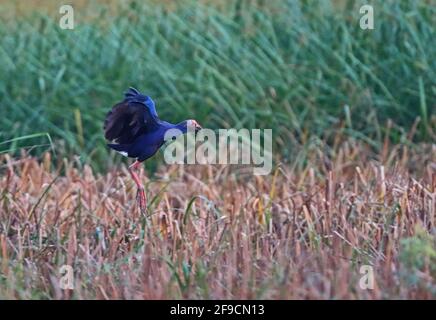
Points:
x=217, y=232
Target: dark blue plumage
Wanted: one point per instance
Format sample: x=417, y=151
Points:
x=136, y=128
x=137, y=132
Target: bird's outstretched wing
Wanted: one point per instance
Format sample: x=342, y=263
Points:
x=134, y=96
x=127, y=120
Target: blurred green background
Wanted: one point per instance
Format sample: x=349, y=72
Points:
x=303, y=68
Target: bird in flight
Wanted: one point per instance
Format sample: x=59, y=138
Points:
x=137, y=132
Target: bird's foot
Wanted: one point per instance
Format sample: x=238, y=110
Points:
x=140, y=198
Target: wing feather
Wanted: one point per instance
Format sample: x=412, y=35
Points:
x=127, y=120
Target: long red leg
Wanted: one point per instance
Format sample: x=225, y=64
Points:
x=140, y=197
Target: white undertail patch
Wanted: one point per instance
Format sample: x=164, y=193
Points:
x=123, y=153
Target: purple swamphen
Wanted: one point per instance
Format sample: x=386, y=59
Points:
x=134, y=126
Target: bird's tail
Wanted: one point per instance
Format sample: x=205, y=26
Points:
x=122, y=148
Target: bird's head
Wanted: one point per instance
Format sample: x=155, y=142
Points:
x=193, y=124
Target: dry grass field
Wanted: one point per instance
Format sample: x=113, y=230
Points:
x=353, y=185
x=214, y=232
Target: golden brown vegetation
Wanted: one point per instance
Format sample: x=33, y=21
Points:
x=214, y=232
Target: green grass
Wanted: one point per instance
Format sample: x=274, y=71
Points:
x=298, y=67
